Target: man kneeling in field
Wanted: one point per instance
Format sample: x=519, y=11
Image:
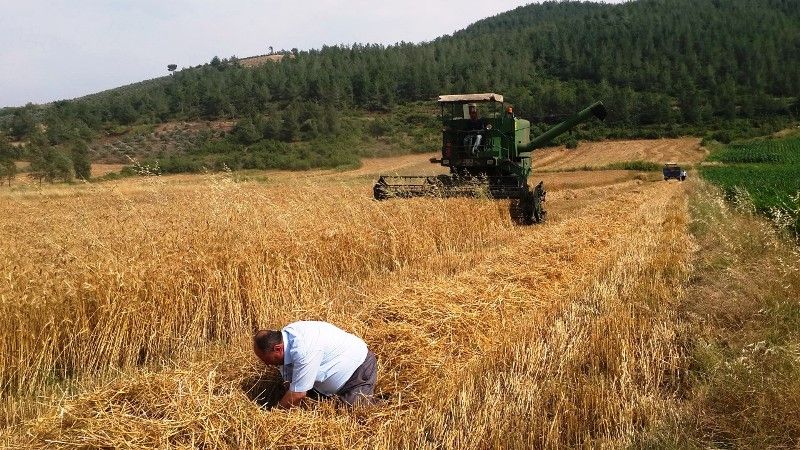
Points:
x=319, y=359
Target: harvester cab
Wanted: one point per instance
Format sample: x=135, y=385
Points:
x=487, y=150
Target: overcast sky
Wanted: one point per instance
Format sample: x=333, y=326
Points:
x=61, y=49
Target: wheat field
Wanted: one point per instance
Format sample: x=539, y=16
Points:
x=127, y=310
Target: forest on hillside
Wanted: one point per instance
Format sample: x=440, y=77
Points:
x=662, y=67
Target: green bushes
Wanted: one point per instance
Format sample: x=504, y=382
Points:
x=218, y=147
x=180, y=164
x=571, y=143
x=265, y=154
x=642, y=166
x=379, y=127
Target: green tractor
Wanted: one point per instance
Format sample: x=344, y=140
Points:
x=488, y=150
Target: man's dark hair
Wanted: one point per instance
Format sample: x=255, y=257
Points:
x=267, y=339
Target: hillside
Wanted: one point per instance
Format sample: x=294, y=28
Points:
x=663, y=68
x=555, y=55
x=255, y=61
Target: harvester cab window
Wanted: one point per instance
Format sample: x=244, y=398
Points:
x=460, y=111
x=468, y=108
x=483, y=111
x=453, y=111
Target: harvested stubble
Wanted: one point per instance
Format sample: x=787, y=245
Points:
x=487, y=336
x=600, y=154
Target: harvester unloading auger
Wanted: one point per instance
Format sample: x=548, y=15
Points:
x=490, y=155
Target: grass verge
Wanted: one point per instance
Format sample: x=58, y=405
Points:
x=743, y=300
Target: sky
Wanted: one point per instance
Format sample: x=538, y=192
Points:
x=61, y=49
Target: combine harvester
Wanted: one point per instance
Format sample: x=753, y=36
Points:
x=489, y=155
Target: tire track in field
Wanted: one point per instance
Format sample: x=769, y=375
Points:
x=533, y=271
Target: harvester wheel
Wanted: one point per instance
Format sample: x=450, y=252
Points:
x=539, y=214
x=522, y=209
x=529, y=208
x=379, y=191
x=518, y=213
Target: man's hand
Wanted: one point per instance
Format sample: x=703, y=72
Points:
x=291, y=399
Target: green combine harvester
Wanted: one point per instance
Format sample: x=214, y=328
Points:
x=488, y=150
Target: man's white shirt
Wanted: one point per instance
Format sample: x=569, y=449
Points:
x=319, y=355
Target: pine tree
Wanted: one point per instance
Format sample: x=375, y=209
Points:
x=22, y=122
x=8, y=169
x=81, y=164
x=50, y=163
x=245, y=132
x=290, y=129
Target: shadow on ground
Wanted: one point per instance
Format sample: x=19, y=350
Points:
x=264, y=389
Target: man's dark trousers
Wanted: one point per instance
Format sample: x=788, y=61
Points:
x=358, y=389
